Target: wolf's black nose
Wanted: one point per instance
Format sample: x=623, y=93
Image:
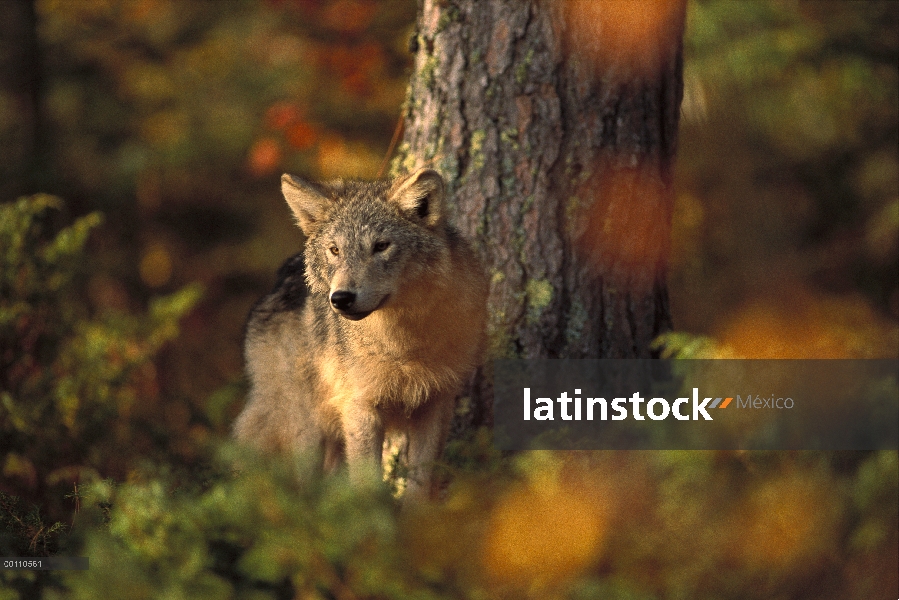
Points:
x=342, y=300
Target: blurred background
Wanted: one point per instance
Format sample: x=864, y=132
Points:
x=175, y=119
x=786, y=228
x=121, y=332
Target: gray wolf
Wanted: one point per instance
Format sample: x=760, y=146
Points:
x=373, y=328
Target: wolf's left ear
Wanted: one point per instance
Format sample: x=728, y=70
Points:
x=420, y=197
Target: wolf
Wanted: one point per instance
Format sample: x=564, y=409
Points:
x=373, y=328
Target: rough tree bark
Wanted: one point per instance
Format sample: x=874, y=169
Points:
x=555, y=126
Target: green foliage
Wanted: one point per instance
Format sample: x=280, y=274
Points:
x=68, y=376
x=679, y=344
x=23, y=532
x=713, y=525
x=789, y=175
x=257, y=534
x=874, y=500
x=820, y=76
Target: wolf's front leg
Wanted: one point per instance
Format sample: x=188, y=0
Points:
x=363, y=433
x=428, y=429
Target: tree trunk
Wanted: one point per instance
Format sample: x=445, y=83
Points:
x=555, y=126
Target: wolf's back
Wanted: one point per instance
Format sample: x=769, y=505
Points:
x=289, y=294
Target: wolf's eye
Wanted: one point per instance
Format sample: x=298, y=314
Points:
x=334, y=250
x=380, y=246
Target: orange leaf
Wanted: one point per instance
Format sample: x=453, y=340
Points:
x=301, y=135
x=265, y=155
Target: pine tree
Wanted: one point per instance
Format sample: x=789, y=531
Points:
x=555, y=124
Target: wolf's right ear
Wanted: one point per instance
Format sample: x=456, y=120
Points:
x=307, y=200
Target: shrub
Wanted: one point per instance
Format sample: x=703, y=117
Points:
x=69, y=373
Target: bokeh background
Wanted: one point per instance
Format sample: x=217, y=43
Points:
x=785, y=230
x=175, y=120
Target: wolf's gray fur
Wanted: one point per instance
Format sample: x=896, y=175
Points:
x=375, y=326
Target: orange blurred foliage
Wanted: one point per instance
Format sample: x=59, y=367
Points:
x=301, y=135
x=265, y=156
x=349, y=16
x=788, y=523
x=144, y=10
x=356, y=83
x=281, y=114
x=623, y=30
x=546, y=531
x=357, y=66
x=809, y=326
x=621, y=224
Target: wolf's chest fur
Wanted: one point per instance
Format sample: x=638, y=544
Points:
x=411, y=350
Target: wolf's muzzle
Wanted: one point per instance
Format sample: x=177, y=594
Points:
x=343, y=303
x=343, y=300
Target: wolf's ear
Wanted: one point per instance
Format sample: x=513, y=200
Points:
x=420, y=196
x=307, y=200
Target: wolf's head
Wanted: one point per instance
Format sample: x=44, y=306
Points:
x=366, y=240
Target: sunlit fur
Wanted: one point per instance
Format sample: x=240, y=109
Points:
x=320, y=380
